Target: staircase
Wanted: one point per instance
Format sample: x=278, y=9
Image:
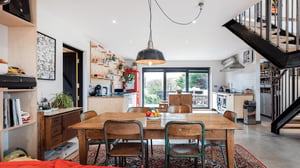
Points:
x=272, y=28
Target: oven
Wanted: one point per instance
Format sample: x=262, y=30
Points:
x=221, y=102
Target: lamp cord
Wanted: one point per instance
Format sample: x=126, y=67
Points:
x=180, y=23
x=150, y=43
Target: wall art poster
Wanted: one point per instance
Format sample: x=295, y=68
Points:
x=46, y=50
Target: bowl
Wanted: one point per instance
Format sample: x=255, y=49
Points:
x=154, y=118
x=179, y=91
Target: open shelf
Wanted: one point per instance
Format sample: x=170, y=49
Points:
x=20, y=126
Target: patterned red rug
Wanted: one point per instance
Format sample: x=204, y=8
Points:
x=243, y=159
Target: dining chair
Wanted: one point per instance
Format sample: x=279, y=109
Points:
x=185, y=130
x=124, y=129
x=179, y=108
x=221, y=143
x=142, y=110
x=90, y=114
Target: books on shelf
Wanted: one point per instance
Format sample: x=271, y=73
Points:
x=11, y=112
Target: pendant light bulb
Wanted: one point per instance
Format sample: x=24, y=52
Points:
x=150, y=63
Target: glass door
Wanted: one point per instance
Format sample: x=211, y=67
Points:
x=153, y=88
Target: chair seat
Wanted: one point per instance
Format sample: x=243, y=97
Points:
x=214, y=143
x=184, y=149
x=101, y=141
x=126, y=149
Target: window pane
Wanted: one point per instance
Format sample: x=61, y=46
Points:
x=198, y=85
x=153, y=88
x=175, y=81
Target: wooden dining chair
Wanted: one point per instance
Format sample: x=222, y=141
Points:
x=185, y=130
x=142, y=110
x=138, y=109
x=90, y=114
x=124, y=129
x=179, y=108
x=221, y=143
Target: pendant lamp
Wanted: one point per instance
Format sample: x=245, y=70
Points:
x=150, y=55
x=4, y=2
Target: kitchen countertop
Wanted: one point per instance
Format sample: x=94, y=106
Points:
x=235, y=93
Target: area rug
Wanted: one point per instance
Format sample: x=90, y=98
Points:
x=243, y=159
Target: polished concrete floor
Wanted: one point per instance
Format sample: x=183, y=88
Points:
x=275, y=151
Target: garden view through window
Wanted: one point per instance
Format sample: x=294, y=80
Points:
x=158, y=83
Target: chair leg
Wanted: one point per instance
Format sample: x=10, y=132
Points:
x=196, y=162
x=151, y=147
x=97, y=153
x=224, y=157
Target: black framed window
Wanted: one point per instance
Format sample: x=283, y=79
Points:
x=159, y=82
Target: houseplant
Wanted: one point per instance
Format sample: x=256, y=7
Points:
x=62, y=100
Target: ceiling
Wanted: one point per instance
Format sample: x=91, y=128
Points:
x=204, y=40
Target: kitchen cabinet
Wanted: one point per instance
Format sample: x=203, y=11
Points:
x=53, y=128
x=235, y=102
x=19, y=37
x=105, y=104
x=181, y=99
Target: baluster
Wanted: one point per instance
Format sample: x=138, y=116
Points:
x=268, y=20
x=287, y=26
x=297, y=23
x=260, y=11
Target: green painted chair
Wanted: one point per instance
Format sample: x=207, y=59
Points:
x=123, y=129
x=190, y=130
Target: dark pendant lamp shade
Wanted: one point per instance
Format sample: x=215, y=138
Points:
x=150, y=56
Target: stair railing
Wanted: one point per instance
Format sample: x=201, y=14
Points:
x=276, y=21
x=286, y=89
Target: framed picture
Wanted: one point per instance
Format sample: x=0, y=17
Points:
x=46, y=51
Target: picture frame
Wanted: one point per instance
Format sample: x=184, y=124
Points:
x=46, y=53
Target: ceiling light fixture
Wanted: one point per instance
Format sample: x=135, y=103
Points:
x=150, y=55
x=4, y=2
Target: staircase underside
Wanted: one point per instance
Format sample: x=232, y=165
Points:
x=265, y=48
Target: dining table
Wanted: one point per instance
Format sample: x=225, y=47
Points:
x=217, y=128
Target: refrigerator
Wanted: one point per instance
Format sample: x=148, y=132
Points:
x=132, y=83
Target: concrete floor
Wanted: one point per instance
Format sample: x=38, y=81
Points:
x=275, y=151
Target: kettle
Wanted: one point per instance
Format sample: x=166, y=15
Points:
x=97, y=90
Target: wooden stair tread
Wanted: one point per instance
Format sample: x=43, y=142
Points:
x=291, y=126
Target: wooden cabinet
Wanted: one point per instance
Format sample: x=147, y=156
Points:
x=235, y=102
x=54, y=128
x=105, y=104
x=18, y=38
x=181, y=99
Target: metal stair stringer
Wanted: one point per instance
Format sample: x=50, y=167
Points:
x=265, y=48
x=286, y=116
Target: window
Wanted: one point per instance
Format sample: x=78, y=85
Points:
x=159, y=82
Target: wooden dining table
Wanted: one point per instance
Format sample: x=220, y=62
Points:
x=217, y=128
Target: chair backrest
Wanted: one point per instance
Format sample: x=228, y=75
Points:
x=189, y=130
x=87, y=115
x=230, y=115
x=179, y=108
x=138, y=109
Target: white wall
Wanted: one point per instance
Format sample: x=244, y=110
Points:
x=3, y=42
x=249, y=77
x=63, y=33
x=216, y=78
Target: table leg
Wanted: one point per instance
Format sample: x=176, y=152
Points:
x=83, y=147
x=230, y=148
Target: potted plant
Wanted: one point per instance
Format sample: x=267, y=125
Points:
x=62, y=100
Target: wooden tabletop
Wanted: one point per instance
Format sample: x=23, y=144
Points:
x=211, y=120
